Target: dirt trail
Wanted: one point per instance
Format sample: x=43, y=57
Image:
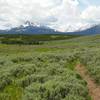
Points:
x=94, y=89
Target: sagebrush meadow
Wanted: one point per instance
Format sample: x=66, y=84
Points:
x=47, y=71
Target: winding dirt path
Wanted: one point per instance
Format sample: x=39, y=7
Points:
x=94, y=89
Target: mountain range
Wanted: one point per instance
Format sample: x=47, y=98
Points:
x=31, y=28
x=95, y=29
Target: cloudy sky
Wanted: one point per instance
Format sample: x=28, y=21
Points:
x=62, y=15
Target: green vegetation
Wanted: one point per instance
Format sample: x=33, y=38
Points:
x=32, y=39
x=47, y=71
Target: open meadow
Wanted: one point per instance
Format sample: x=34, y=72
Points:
x=45, y=70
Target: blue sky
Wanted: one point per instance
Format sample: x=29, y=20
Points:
x=95, y=2
x=86, y=3
x=63, y=15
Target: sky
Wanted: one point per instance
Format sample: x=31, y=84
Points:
x=62, y=15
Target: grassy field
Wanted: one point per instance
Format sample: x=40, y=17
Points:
x=32, y=39
x=46, y=71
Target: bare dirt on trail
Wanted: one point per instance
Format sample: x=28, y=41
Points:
x=94, y=89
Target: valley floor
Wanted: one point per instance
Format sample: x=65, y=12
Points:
x=47, y=71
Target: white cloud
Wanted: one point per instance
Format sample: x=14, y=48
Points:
x=59, y=14
x=15, y=12
x=92, y=13
x=67, y=14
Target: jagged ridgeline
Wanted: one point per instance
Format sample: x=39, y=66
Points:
x=34, y=28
